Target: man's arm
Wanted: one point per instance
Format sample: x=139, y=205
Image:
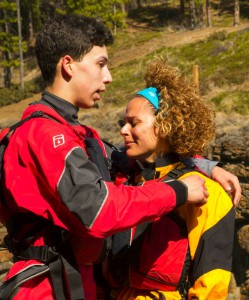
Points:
x=227, y=180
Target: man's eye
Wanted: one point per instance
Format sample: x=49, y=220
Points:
x=102, y=64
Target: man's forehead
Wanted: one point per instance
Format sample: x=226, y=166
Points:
x=98, y=51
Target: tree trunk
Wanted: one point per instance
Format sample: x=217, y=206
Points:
x=134, y=4
x=139, y=3
x=209, y=21
x=192, y=13
x=7, y=71
x=31, y=28
x=236, y=13
x=123, y=8
x=200, y=15
x=20, y=45
x=182, y=8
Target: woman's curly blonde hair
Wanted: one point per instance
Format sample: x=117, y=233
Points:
x=185, y=122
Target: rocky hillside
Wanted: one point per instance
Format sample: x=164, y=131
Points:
x=231, y=147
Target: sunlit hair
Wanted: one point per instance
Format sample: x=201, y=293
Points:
x=184, y=120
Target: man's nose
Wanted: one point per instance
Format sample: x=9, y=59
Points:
x=107, y=76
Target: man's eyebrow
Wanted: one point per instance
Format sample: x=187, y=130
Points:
x=104, y=58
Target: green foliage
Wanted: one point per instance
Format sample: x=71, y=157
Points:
x=9, y=40
x=12, y=95
x=232, y=102
x=108, y=11
x=127, y=40
x=222, y=60
x=127, y=80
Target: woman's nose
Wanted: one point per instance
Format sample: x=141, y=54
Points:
x=124, y=130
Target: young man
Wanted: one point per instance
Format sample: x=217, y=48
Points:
x=58, y=208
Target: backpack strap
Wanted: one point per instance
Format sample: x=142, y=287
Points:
x=9, y=287
x=96, y=156
x=177, y=173
x=4, y=134
x=58, y=258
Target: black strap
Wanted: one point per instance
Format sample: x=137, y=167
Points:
x=95, y=153
x=61, y=266
x=176, y=173
x=35, y=114
x=58, y=258
x=4, y=137
x=10, y=286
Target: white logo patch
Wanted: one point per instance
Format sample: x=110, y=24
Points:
x=58, y=140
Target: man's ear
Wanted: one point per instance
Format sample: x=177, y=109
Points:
x=66, y=65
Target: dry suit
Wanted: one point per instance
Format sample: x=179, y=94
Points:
x=57, y=207
x=186, y=254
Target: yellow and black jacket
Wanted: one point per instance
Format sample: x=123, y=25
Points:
x=189, y=249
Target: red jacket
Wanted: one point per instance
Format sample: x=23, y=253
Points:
x=47, y=171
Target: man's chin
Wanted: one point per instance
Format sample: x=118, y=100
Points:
x=88, y=105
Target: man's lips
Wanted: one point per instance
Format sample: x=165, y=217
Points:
x=97, y=95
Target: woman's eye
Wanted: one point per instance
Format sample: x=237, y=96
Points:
x=133, y=124
x=121, y=123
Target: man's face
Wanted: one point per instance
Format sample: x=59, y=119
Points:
x=90, y=76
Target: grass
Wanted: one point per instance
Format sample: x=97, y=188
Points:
x=232, y=102
x=222, y=60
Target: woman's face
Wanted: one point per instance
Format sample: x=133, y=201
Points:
x=139, y=133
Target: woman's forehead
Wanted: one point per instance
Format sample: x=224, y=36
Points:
x=139, y=105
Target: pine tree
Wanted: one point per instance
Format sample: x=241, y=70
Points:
x=236, y=13
x=110, y=12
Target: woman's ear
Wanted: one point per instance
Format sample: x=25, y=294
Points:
x=156, y=131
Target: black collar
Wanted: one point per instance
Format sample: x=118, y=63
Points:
x=148, y=170
x=64, y=108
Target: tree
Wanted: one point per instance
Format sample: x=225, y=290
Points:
x=192, y=13
x=209, y=22
x=182, y=9
x=236, y=13
x=35, y=13
x=20, y=43
x=110, y=12
x=9, y=40
x=199, y=11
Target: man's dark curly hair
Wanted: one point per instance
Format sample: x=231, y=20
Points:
x=73, y=35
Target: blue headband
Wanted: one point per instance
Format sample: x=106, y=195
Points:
x=152, y=95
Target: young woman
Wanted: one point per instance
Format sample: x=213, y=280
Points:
x=186, y=254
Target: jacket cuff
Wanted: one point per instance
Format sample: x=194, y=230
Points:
x=181, y=191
